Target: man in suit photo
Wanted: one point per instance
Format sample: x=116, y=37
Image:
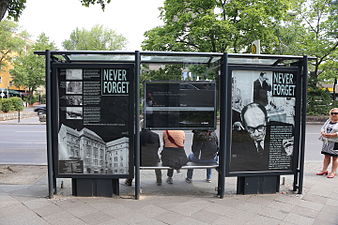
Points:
x=251, y=145
x=260, y=90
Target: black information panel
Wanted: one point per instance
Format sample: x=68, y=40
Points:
x=180, y=105
x=95, y=120
x=263, y=121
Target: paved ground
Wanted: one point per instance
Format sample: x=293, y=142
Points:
x=23, y=191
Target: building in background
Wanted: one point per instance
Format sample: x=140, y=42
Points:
x=7, y=87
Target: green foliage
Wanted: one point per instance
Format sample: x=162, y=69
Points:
x=17, y=103
x=216, y=25
x=1, y=104
x=29, y=69
x=15, y=7
x=313, y=31
x=98, y=38
x=319, y=101
x=103, y=3
x=6, y=105
x=11, y=41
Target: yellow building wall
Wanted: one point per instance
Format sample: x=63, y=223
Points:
x=6, y=78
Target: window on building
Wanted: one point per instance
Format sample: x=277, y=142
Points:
x=96, y=152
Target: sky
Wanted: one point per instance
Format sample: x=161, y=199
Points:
x=58, y=18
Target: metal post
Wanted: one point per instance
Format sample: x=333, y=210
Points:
x=223, y=123
x=137, y=124
x=49, y=125
x=303, y=130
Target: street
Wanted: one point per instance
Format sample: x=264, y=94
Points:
x=26, y=144
x=23, y=144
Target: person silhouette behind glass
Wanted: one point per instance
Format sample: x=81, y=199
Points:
x=204, y=150
x=173, y=153
x=149, y=146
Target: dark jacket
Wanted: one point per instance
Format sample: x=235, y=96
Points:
x=205, y=144
x=245, y=157
x=174, y=157
x=150, y=143
x=260, y=94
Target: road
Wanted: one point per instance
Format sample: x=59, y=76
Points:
x=23, y=144
x=26, y=144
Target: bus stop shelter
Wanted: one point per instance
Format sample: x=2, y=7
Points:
x=95, y=104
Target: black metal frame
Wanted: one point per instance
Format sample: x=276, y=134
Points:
x=55, y=120
x=297, y=128
x=213, y=127
x=225, y=105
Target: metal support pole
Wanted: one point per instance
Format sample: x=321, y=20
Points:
x=137, y=124
x=49, y=125
x=303, y=129
x=223, y=124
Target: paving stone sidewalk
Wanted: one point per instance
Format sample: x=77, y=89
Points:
x=25, y=203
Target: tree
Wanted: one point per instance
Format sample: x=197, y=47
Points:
x=317, y=35
x=217, y=25
x=11, y=42
x=15, y=7
x=98, y=38
x=29, y=69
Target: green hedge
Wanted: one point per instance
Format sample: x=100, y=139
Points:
x=319, y=102
x=11, y=104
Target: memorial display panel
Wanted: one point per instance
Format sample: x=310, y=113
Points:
x=95, y=116
x=263, y=121
x=180, y=105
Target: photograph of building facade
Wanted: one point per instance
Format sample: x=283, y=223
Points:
x=117, y=156
x=97, y=155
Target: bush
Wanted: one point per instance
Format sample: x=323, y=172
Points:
x=0, y=104
x=6, y=105
x=17, y=103
x=319, y=102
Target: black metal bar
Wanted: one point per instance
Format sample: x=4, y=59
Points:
x=303, y=129
x=223, y=122
x=298, y=122
x=137, y=124
x=145, y=53
x=51, y=184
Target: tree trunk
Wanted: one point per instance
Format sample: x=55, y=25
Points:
x=3, y=8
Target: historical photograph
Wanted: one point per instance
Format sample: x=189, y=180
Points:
x=262, y=135
x=74, y=100
x=74, y=113
x=74, y=87
x=84, y=151
x=74, y=74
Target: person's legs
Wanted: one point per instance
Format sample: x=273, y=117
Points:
x=190, y=173
x=326, y=163
x=189, y=176
x=158, y=176
x=170, y=174
x=209, y=175
x=334, y=167
x=128, y=181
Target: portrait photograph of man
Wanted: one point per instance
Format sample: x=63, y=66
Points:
x=261, y=133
